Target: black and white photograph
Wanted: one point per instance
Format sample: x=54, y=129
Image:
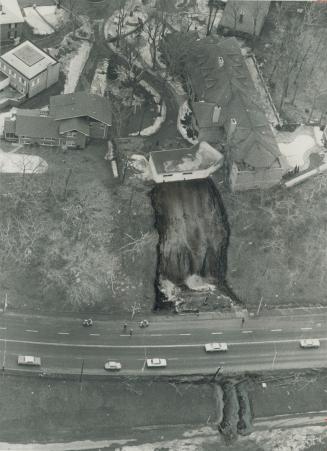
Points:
x=163, y=225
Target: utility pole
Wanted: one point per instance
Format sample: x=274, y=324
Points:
x=219, y=369
x=82, y=370
x=258, y=311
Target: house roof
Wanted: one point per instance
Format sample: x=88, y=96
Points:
x=78, y=124
x=231, y=87
x=30, y=123
x=11, y=12
x=28, y=59
x=79, y=104
x=253, y=12
x=199, y=157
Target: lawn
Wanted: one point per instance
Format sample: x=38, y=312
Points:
x=278, y=245
x=71, y=239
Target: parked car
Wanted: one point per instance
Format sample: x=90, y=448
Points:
x=87, y=322
x=216, y=347
x=112, y=366
x=156, y=363
x=310, y=343
x=29, y=360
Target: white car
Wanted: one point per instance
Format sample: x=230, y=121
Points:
x=216, y=347
x=112, y=366
x=29, y=360
x=156, y=363
x=310, y=343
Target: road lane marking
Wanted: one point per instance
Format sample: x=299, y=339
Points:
x=306, y=328
x=95, y=335
x=276, y=330
x=31, y=330
x=193, y=345
x=124, y=335
x=247, y=331
x=155, y=335
x=217, y=333
x=3, y=328
x=63, y=333
x=184, y=335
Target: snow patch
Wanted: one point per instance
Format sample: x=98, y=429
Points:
x=51, y=14
x=75, y=66
x=197, y=283
x=141, y=165
x=169, y=290
x=99, y=82
x=297, y=152
x=15, y=163
x=318, y=134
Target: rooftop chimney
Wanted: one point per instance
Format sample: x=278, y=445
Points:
x=232, y=127
x=216, y=114
x=220, y=61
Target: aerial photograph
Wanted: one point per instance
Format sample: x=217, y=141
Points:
x=163, y=225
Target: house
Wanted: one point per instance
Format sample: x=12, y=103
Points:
x=29, y=69
x=197, y=162
x=11, y=21
x=70, y=121
x=245, y=16
x=226, y=109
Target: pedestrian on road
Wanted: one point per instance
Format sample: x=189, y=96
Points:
x=131, y=332
x=125, y=327
x=243, y=321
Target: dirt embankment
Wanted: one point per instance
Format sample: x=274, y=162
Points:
x=194, y=235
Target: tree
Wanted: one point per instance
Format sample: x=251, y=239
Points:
x=122, y=14
x=153, y=28
x=256, y=9
x=213, y=6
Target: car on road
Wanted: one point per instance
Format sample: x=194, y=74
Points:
x=216, y=347
x=156, y=363
x=310, y=343
x=112, y=366
x=29, y=360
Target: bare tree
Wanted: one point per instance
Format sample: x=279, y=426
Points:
x=213, y=6
x=153, y=29
x=122, y=14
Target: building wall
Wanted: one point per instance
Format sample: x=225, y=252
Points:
x=182, y=176
x=9, y=32
x=98, y=130
x=260, y=179
x=17, y=80
x=37, y=84
x=53, y=74
x=75, y=139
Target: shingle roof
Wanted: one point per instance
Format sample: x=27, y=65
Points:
x=30, y=123
x=231, y=87
x=75, y=124
x=81, y=104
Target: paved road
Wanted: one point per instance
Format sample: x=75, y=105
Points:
x=261, y=344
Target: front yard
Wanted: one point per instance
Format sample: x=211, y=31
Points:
x=75, y=239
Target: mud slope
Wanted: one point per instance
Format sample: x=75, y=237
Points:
x=193, y=235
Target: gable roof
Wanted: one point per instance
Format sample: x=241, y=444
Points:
x=30, y=123
x=11, y=12
x=231, y=86
x=28, y=59
x=78, y=124
x=81, y=104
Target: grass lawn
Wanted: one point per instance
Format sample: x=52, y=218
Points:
x=278, y=245
x=67, y=237
x=55, y=410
